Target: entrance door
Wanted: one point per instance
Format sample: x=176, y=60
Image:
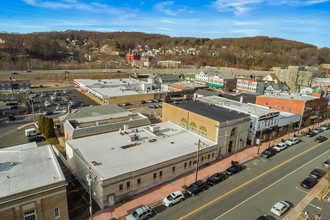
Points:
x=230, y=146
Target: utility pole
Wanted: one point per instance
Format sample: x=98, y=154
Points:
x=199, y=143
x=89, y=178
x=301, y=117
x=262, y=126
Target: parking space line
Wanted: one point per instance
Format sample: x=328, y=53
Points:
x=301, y=190
x=253, y=179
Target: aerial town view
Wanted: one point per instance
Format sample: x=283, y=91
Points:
x=194, y=110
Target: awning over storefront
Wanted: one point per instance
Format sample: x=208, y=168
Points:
x=214, y=85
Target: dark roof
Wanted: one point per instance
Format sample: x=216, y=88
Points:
x=206, y=92
x=247, y=97
x=210, y=111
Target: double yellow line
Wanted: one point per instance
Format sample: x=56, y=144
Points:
x=255, y=178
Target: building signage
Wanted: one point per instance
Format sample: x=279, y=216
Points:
x=268, y=116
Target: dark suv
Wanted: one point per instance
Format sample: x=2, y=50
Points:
x=36, y=138
x=196, y=188
x=268, y=152
x=233, y=169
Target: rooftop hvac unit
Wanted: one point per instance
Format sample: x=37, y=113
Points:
x=134, y=137
x=154, y=129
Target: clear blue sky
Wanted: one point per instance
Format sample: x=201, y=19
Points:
x=301, y=20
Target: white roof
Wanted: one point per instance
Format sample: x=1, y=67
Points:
x=26, y=167
x=248, y=108
x=106, y=149
x=291, y=96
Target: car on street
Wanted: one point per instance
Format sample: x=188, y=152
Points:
x=268, y=152
x=196, y=188
x=320, y=139
x=47, y=104
x=48, y=112
x=215, y=179
x=318, y=130
x=151, y=100
x=317, y=173
x=280, y=208
x=325, y=127
x=292, y=141
x=152, y=106
x=43, y=110
x=28, y=71
x=36, y=138
x=173, y=198
x=308, y=183
x=279, y=147
x=233, y=169
x=326, y=163
x=126, y=104
x=142, y=102
x=141, y=213
x=264, y=217
x=310, y=134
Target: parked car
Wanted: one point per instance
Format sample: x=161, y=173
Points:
x=318, y=130
x=320, y=139
x=60, y=107
x=325, y=127
x=152, y=106
x=173, y=198
x=292, y=141
x=308, y=183
x=268, y=152
x=280, y=208
x=141, y=213
x=11, y=118
x=126, y=104
x=280, y=147
x=142, y=102
x=196, y=188
x=44, y=94
x=47, y=104
x=317, y=173
x=36, y=138
x=151, y=100
x=264, y=217
x=233, y=169
x=215, y=179
x=48, y=112
x=31, y=132
x=73, y=106
x=326, y=163
x=310, y=134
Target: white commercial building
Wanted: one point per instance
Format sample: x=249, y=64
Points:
x=261, y=117
x=132, y=161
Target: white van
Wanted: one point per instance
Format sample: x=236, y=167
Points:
x=31, y=131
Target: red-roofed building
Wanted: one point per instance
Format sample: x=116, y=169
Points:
x=132, y=56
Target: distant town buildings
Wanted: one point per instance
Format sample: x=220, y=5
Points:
x=250, y=86
x=169, y=64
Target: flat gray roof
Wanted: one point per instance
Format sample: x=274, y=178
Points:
x=291, y=96
x=247, y=108
x=26, y=167
x=108, y=149
x=210, y=111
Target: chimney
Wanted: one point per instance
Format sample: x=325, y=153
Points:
x=241, y=99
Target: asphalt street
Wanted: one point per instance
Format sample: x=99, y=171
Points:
x=252, y=192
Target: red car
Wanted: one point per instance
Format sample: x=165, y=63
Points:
x=28, y=71
x=320, y=139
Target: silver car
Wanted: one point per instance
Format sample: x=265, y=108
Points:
x=173, y=198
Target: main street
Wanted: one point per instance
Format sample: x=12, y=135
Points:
x=257, y=188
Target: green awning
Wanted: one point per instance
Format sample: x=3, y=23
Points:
x=214, y=85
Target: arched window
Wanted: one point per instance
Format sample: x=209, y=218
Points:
x=192, y=127
x=183, y=123
x=232, y=133
x=202, y=131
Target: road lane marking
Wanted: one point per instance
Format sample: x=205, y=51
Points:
x=301, y=190
x=270, y=186
x=244, y=184
x=315, y=206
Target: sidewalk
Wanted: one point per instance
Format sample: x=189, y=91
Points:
x=156, y=194
x=310, y=196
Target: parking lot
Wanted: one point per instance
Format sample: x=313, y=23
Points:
x=51, y=100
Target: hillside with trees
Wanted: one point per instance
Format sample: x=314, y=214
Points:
x=85, y=50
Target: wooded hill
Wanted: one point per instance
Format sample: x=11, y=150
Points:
x=84, y=49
